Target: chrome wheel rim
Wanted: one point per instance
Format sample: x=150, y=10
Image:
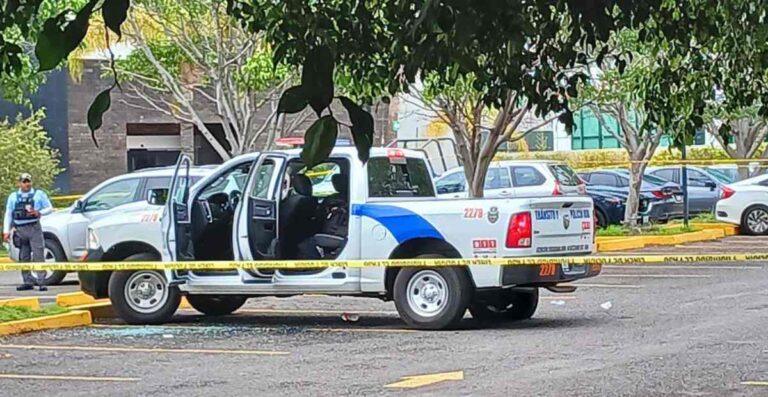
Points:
x=49, y=258
x=427, y=293
x=146, y=292
x=757, y=220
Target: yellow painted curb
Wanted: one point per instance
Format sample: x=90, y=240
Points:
x=31, y=303
x=101, y=308
x=74, y=299
x=66, y=320
x=619, y=244
x=634, y=242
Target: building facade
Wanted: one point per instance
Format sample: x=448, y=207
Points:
x=132, y=138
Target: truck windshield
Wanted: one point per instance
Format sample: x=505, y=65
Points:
x=410, y=178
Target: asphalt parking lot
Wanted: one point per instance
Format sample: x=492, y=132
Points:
x=672, y=329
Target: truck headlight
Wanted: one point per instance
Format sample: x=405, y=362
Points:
x=93, y=240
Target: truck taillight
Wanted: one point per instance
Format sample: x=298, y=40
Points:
x=520, y=230
x=726, y=192
x=660, y=194
x=558, y=191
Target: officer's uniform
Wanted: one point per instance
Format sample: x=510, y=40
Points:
x=28, y=235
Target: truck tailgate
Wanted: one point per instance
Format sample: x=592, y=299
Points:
x=562, y=225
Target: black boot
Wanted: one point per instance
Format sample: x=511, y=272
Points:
x=24, y=287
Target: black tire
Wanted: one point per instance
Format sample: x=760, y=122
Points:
x=602, y=220
x=458, y=293
x=753, y=211
x=506, y=305
x=216, y=305
x=57, y=276
x=163, y=307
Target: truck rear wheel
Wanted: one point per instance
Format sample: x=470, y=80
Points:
x=143, y=296
x=506, y=305
x=216, y=305
x=432, y=298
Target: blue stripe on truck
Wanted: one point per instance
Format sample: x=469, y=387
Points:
x=402, y=223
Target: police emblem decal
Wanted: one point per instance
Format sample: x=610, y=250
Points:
x=493, y=215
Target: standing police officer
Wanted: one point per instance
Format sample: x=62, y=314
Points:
x=22, y=216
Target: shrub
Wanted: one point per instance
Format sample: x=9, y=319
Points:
x=24, y=147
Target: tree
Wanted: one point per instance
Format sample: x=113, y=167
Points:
x=191, y=58
x=742, y=135
x=384, y=44
x=18, y=74
x=478, y=129
x=24, y=147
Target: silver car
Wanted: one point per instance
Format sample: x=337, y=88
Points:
x=64, y=230
x=516, y=178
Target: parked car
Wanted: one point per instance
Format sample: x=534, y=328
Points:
x=730, y=172
x=609, y=207
x=745, y=203
x=660, y=200
x=515, y=178
x=64, y=230
x=703, y=186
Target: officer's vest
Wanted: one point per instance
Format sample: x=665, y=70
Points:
x=24, y=201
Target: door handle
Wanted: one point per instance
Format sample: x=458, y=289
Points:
x=505, y=193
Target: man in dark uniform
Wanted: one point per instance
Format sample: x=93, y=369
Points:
x=22, y=217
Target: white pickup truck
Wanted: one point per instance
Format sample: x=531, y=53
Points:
x=261, y=206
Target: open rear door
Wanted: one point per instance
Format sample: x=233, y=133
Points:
x=257, y=221
x=176, y=221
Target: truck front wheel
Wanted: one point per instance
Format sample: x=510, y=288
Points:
x=506, y=305
x=432, y=298
x=143, y=296
x=216, y=305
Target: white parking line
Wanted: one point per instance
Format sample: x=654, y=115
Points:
x=670, y=267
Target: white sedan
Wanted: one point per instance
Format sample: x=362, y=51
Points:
x=745, y=203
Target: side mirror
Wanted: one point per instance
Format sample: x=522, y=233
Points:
x=442, y=190
x=711, y=185
x=79, y=206
x=157, y=196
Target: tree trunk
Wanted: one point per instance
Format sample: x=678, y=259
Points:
x=636, y=170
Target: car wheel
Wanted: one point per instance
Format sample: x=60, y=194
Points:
x=601, y=221
x=755, y=220
x=216, y=305
x=432, y=298
x=52, y=253
x=143, y=296
x=506, y=305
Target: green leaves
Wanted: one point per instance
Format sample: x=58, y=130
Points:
x=317, y=78
x=60, y=37
x=319, y=141
x=114, y=13
x=362, y=128
x=96, y=111
x=294, y=100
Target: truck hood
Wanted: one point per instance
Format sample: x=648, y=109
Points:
x=139, y=212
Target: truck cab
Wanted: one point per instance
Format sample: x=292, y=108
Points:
x=264, y=206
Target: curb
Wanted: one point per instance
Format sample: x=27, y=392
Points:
x=99, y=308
x=76, y=299
x=710, y=232
x=31, y=303
x=76, y=318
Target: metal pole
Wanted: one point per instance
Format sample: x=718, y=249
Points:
x=684, y=180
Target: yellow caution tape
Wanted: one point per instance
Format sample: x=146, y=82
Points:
x=306, y=264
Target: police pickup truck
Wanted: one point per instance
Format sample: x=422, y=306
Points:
x=263, y=206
